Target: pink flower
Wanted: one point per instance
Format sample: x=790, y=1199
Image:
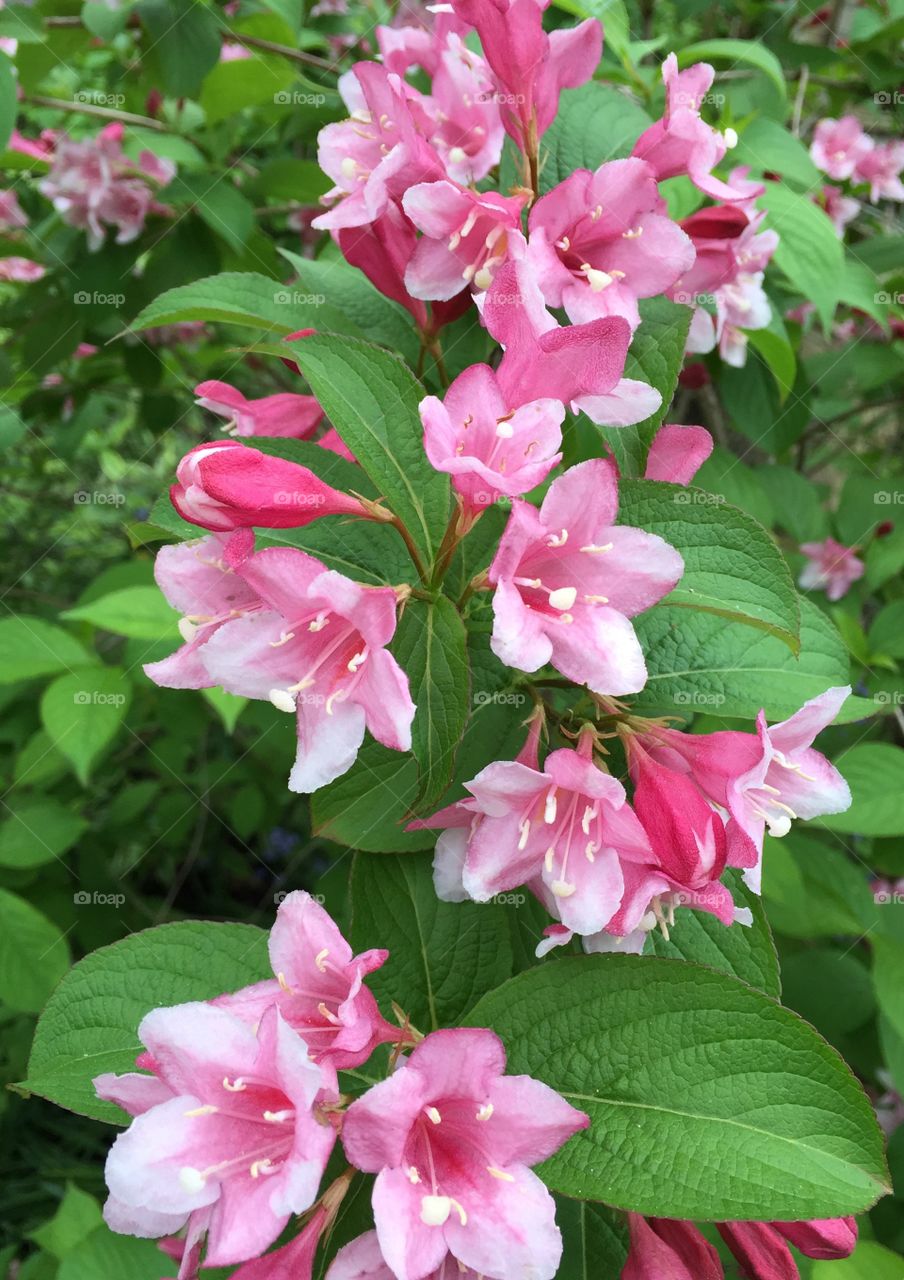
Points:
x=677, y=453
x=231, y=51
x=682, y=142
x=318, y=650
x=581, y=364
x=12, y=215
x=362, y=1259
x=451, y=1139
x=488, y=446
x=197, y=579
x=21, y=270
x=377, y=154
x=225, y=1136
x=467, y=130
x=293, y=1261
x=40, y=148
x=567, y=580
x=838, y=146
x=319, y=988
x=598, y=242
x=881, y=168
x=530, y=67
x=383, y=250
x=283, y=414
x=830, y=567
x=466, y=237
x=663, y=1248
x=226, y=485
x=840, y=208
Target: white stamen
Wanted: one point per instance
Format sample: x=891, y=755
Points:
x=557, y=539
x=504, y=429
x=413, y=1176
x=457, y=155
x=357, y=661
x=433, y=1115
x=284, y=638
x=598, y=280
x=500, y=1174
x=282, y=700
x=187, y=630
x=192, y=1180
x=234, y=1086
x=524, y=828
x=485, y=1111
x=562, y=889
x=207, y=1110
x=318, y=623
x=320, y=958
x=483, y=278
x=549, y=809
x=349, y=167
x=278, y=1117
x=593, y=550
x=563, y=597
x=435, y=1210
x=261, y=1167
x=731, y=138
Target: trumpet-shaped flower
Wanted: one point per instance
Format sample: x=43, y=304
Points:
x=283, y=414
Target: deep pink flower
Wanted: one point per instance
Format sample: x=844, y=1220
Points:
x=489, y=446
x=12, y=215
x=577, y=364
x=838, y=146
x=598, y=242
x=383, y=250
x=830, y=567
x=568, y=579
x=283, y=414
x=293, y=1261
x=225, y=1136
x=530, y=67
x=318, y=650
x=319, y=987
x=881, y=168
x=682, y=142
x=662, y=1247
x=840, y=208
x=227, y=485
x=362, y=1259
x=677, y=453
x=197, y=579
x=466, y=237
x=377, y=154
x=451, y=1140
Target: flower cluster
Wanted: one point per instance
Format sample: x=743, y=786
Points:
x=94, y=184
x=845, y=152
x=236, y=1110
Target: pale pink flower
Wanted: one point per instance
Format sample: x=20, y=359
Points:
x=12, y=215
x=489, y=446
x=451, y=1140
x=881, y=168
x=598, y=242
x=830, y=567
x=840, y=208
x=568, y=580
x=21, y=270
x=466, y=237
x=225, y=1138
x=362, y=1259
x=682, y=143
x=319, y=987
x=283, y=414
x=467, y=124
x=318, y=651
x=577, y=364
x=838, y=146
x=226, y=485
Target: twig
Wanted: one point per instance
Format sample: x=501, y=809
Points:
x=89, y=109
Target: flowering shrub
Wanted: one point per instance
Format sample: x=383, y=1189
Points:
x=508, y=546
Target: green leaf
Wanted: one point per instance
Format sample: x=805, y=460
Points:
x=829, y=988
x=875, y=774
x=184, y=36
x=83, y=712
x=249, y=82
x=813, y=891
x=595, y=1240
x=724, y=474
x=8, y=103
x=732, y=567
x=809, y=252
x=795, y=502
x=239, y=297
x=886, y=633
x=613, y=14
x=574, y=140
x=77, y=1216
x=31, y=647
x=656, y=356
x=36, y=832
x=698, y=661
x=139, y=612
x=869, y=1261
x=90, y=1024
x=744, y=952
x=218, y=203
x=361, y=549
x=228, y=706
x=102, y=21
x=749, y=52
x=665, y=1057
x=432, y=646
x=368, y=807
x=372, y=400
x=774, y=346
x=103, y=1255
x=33, y=954
x=442, y=955
x=766, y=146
